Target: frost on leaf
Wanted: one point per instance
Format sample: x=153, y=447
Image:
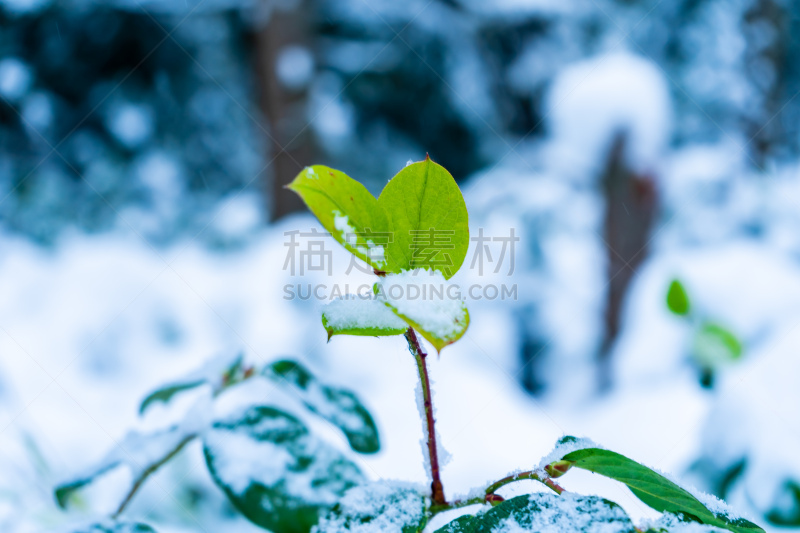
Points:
x=354, y=315
x=546, y=513
x=427, y=302
x=274, y=471
x=379, y=507
x=340, y=407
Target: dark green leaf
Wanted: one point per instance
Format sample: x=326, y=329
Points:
x=428, y=218
x=338, y=406
x=787, y=515
x=653, y=489
x=677, y=299
x=535, y=512
x=379, y=506
x=347, y=210
x=274, y=471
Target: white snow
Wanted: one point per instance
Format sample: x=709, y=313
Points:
x=349, y=234
x=424, y=297
x=131, y=124
x=294, y=67
x=15, y=78
x=390, y=506
x=563, y=448
x=360, y=311
x=593, y=100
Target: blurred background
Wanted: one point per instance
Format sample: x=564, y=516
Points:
x=144, y=146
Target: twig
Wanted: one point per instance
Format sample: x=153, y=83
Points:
x=437, y=490
x=524, y=475
x=149, y=471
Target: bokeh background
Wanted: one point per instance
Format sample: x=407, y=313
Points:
x=144, y=146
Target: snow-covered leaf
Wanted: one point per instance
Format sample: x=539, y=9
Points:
x=678, y=299
x=714, y=345
x=347, y=210
x=546, y=512
x=340, y=407
x=142, y=453
x=274, y=471
x=428, y=303
x=353, y=315
x=384, y=507
x=217, y=372
x=654, y=489
x=428, y=217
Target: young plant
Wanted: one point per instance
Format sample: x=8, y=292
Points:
x=255, y=423
x=713, y=345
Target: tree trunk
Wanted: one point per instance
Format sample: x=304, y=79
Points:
x=291, y=145
x=630, y=209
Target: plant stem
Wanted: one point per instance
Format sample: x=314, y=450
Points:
x=150, y=470
x=436, y=509
x=437, y=490
x=524, y=475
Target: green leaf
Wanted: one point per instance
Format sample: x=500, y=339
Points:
x=361, y=316
x=540, y=511
x=425, y=301
x=340, y=407
x=677, y=299
x=165, y=394
x=274, y=471
x=378, y=506
x=347, y=210
x=653, y=489
x=714, y=346
x=119, y=527
x=219, y=372
x=428, y=218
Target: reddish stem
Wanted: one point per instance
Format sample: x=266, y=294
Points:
x=437, y=490
x=525, y=475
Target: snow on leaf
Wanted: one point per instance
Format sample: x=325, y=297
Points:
x=546, y=513
x=385, y=507
x=353, y=315
x=140, y=452
x=274, y=471
x=428, y=303
x=347, y=210
x=340, y=407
